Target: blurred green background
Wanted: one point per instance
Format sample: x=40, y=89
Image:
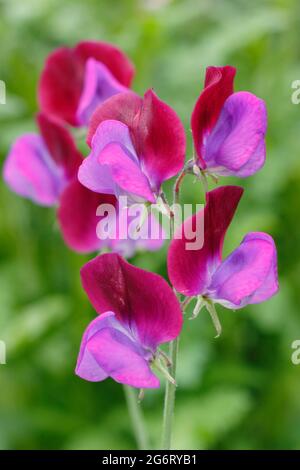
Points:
x=240, y=391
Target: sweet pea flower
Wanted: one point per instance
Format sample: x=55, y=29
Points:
x=228, y=128
x=136, y=144
x=247, y=276
x=137, y=310
x=43, y=167
x=76, y=80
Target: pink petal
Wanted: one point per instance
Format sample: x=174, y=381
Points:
x=60, y=144
x=248, y=275
x=236, y=145
x=62, y=78
x=92, y=174
x=159, y=138
x=77, y=217
x=99, y=84
x=108, y=350
x=218, y=86
x=190, y=271
x=142, y=301
x=30, y=171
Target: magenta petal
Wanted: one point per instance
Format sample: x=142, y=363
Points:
x=107, y=350
x=236, y=144
x=190, y=271
x=99, y=84
x=121, y=358
x=87, y=367
x=248, y=275
x=126, y=172
x=142, y=301
x=218, y=86
x=77, y=217
x=30, y=171
x=159, y=138
x=97, y=177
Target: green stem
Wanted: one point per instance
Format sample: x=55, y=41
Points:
x=170, y=398
x=136, y=417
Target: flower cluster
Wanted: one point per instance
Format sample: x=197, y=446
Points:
x=136, y=144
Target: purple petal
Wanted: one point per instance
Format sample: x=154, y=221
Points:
x=142, y=301
x=99, y=84
x=30, y=171
x=125, y=172
x=236, y=145
x=248, y=275
x=108, y=350
x=91, y=174
x=190, y=270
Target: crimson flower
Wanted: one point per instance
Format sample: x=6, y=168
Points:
x=247, y=276
x=138, y=312
x=136, y=144
x=76, y=80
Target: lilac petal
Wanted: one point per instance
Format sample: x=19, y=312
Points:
x=125, y=172
x=99, y=84
x=142, y=301
x=108, y=350
x=31, y=172
x=91, y=174
x=236, y=144
x=248, y=275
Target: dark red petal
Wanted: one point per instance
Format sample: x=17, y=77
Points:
x=60, y=84
x=60, y=144
x=190, y=271
x=140, y=299
x=111, y=56
x=77, y=216
x=218, y=86
x=159, y=138
x=62, y=78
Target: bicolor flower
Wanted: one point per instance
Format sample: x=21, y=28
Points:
x=136, y=144
x=228, y=128
x=138, y=312
x=43, y=167
x=247, y=276
x=76, y=80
